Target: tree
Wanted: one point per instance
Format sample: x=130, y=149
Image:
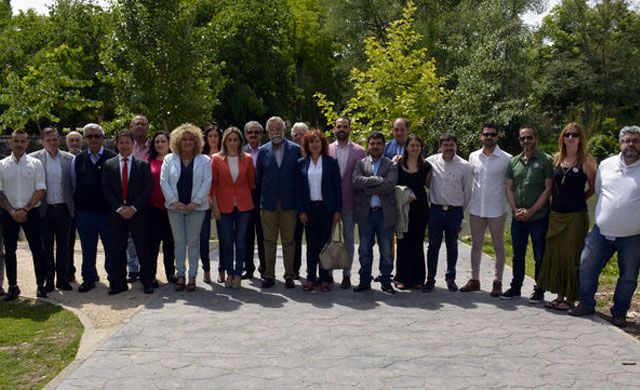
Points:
x=156, y=64
x=50, y=86
x=400, y=81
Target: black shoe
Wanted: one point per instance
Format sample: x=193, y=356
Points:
x=12, y=293
x=155, y=284
x=172, y=279
x=510, y=294
x=377, y=279
x=296, y=276
x=346, y=283
x=48, y=288
x=133, y=276
x=388, y=288
x=247, y=275
x=64, y=286
x=581, y=310
x=1, y=291
x=268, y=283
x=117, y=289
x=619, y=320
x=41, y=292
x=148, y=288
x=289, y=283
x=428, y=287
x=84, y=287
x=362, y=287
x=537, y=296
x=451, y=285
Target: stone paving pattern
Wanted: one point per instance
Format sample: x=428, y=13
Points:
x=286, y=339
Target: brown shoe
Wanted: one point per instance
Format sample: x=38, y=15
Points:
x=472, y=285
x=180, y=284
x=496, y=291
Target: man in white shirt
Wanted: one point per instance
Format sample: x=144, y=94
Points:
x=22, y=186
x=617, y=229
x=488, y=205
x=449, y=193
x=56, y=210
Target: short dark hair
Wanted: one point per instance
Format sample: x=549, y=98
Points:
x=376, y=135
x=535, y=132
x=48, y=130
x=124, y=133
x=344, y=118
x=489, y=125
x=153, y=153
x=448, y=137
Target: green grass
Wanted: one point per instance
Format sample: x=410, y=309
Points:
x=37, y=341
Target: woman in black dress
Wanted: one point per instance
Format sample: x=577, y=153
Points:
x=413, y=172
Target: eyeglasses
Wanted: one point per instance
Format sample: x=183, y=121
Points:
x=489, y=135
x=526, y=138
x=571, y=135
x=93, y=136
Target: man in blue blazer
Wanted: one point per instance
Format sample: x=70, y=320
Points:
x=276, y=175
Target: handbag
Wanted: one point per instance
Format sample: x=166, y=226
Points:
x=334, y=255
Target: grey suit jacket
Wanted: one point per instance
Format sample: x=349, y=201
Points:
x=67, y=188
x=365, y=184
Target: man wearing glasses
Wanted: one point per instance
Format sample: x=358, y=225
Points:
x=529, y=185
x=91, y=208
x=487, y=207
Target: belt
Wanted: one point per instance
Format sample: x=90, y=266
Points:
x=317, y=203
x=375, y=209
x=445, y=207
x=56, y=205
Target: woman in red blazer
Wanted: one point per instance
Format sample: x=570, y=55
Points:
x=231, y=201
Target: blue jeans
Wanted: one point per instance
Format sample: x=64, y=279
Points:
x=90, y=227
x=186, y=228
x=373, y=230
x=520, y=232
x=233, y=229
x=445, y=223
x=595, y=255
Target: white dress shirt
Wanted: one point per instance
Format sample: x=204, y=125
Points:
x=20, y=179
x=451, y=181
x=314, y=177
x=488, y=196
x=342, y=155
x=618, y=190
x=53, y=175
x=121, y=160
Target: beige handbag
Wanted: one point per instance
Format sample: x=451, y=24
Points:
x=335, y=255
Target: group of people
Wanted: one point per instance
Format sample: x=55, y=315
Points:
x=165, y=190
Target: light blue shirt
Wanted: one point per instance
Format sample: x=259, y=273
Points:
x=94, y=159
x=375, y=199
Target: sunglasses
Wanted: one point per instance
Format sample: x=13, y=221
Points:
x=526, y=138
x=93, y=136
x=571, y=135
x=489, y=135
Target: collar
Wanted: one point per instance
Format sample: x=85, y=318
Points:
x=129, y=157
x=141, y=145
x=624, y=165
x=100, y=152
x=17, y=161
x=497, y=151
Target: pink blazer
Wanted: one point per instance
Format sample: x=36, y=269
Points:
x=356, y=153
x=225, y=190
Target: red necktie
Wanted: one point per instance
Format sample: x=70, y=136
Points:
x=125, y=181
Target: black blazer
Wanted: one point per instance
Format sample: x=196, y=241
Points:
x=331, y=185
x=140, y=184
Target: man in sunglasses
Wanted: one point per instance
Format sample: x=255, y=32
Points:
x=487, y=207
x=91, y=208
x=529, y=185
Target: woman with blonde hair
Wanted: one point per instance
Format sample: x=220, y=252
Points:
x=185, y=179
x=231, y=202
x=573, y=183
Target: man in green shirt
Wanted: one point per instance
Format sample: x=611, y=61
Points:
x=529, y=185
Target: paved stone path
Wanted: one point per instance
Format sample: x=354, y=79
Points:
x=286, y=339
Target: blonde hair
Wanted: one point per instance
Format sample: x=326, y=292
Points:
x=231, y=130
x=180, y=131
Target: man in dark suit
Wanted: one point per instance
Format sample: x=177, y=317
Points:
x=127, y=186
x=253, y=133
x=56, y=209
x=276, y=169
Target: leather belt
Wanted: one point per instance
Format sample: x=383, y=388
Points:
x=375, y=209
x=445, y=207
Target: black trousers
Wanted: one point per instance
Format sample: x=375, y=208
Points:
x=72, y=248
x=55, y=227
x=318, y=231
x=31, y=228
x=120, y=228
x=297, y=237
x=410, y=262
x=160, y=231
x=255, y=231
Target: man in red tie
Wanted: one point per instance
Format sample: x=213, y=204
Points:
x=127, y=185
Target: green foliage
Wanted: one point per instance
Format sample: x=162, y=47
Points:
x=51, y=85
x=400, y=81
x=602, y=146
x=156, y=63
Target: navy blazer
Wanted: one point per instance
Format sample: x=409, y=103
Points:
x=277, y=184
x=331, y=185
